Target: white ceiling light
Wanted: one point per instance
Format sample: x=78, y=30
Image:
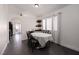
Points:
x=36, y=5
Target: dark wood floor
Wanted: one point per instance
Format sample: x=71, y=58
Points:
x=22, y=48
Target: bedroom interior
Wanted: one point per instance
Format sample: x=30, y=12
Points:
x=39, y=29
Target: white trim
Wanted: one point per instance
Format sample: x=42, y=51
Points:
x=67, y=46
x=4, y=48
x=70, y=47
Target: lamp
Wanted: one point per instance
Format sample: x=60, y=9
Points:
x=36, y=5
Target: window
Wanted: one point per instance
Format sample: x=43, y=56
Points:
x=47, y=24
x=55, y=23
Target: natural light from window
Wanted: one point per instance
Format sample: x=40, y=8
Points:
x=47, y=24
x=44, y=28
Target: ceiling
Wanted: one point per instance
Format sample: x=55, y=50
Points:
x=42, y=10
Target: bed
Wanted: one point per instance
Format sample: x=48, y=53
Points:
x=42, y=38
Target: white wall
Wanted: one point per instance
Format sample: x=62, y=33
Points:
x=28, y=24
x=69, y=35
x=8, y=13
x=15, y=20
x=13, y=12
x=27, y=21
x=4, y=32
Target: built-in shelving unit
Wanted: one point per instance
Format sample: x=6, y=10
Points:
x=39, y=24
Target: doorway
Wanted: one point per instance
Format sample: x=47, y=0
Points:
x=18, y=28
x=10, y=30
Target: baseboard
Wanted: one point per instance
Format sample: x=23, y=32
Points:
x=67, y=46
x=4, y=48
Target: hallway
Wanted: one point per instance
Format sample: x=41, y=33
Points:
x=18, y=47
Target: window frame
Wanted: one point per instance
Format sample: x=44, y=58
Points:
x=46, y=23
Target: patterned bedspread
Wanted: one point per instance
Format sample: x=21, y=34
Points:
x=42, y=38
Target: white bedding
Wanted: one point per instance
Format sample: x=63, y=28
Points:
x=43, y=38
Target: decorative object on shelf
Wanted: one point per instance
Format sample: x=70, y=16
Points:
x=38, y=25
x=39, y=21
